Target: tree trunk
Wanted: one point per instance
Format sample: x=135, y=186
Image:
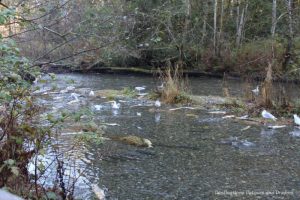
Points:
x=241, y=24
x=274, y=18
x=231, y=8
x=288, y=53
x=273, y=27
x=220, y=29
x=237, y=21
x=204, y=33
x=215, y=26
x=244, y=22
x=187, y=4
x=184, y=41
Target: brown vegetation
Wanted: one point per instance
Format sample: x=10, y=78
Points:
x=175, y=88
x=266, y=90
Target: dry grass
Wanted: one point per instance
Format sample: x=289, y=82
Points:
x=225, y=87
x=175, y=88
x=247, y=86
x=275, y=97
x=266, y=90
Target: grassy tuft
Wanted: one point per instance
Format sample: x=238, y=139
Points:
x=175, y=88
x=235, y=105
x=153, y=95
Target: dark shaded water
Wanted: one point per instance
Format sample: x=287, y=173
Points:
x=196, y=155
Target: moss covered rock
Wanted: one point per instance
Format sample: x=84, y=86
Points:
x=134, y=140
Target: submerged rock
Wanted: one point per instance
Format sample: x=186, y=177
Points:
x=134, y=140
x=208, y=100
x=138, y=154
x=242, y=144
x=229, y=140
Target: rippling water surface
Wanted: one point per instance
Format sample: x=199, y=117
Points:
x=196, y=155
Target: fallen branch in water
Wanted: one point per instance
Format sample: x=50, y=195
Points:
x=189, y=108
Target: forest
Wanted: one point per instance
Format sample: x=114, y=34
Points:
x=234, y=36
x=157, y=99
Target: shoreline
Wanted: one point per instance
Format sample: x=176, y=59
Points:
x=59, y=69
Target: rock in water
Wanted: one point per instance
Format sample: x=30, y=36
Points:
x=136, y=141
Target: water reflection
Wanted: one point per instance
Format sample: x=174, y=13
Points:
x=115, y=112
x=295, y=132
x=267, y=132
x=267, y=142
x=157, y=117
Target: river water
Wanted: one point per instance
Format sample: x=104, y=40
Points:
x=196, y=155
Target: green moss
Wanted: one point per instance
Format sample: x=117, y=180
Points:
x=182, y=98
x=134, y=140
x=111, y=97
x=129, y=92
x=90, y=137
x=70, y=81
x=90, y=127
x=153, y=95
x=235, y=105
x=110, y=94
x=207, y=100
x=113, y=94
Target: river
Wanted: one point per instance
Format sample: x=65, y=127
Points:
x=195, y=154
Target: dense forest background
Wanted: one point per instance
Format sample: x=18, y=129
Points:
x=236, y=36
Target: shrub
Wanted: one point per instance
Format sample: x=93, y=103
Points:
x=253, y=57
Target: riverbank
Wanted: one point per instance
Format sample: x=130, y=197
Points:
x=59, y=69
